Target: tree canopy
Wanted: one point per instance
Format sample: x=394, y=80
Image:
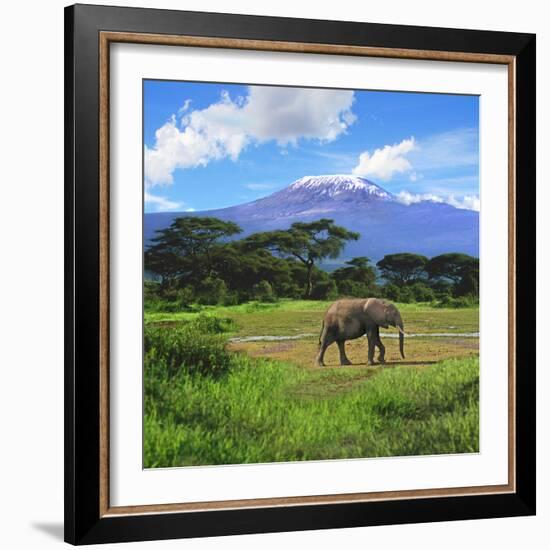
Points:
x=453, y=266
x=358, y=270
x=461, y=269
x=177, y=249
x=307, y=242
x=198, y=259
x=402, y=268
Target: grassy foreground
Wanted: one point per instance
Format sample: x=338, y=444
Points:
x=207, y=403
x=304, y=316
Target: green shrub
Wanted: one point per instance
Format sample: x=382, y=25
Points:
x=151, y=289
x=441, y=287
x=263, y=292
x=391, y=292
x=210, y=324
x=324, y=290
x=422, y=292
x=290, y=290
x=357, y=289
x=347, y=287
x=196, y=347
x=168, y=299
x=467, y=286
x=461, y=301
x=185, y=297
x=231, y=299
x=212, y=291
x=406, y=295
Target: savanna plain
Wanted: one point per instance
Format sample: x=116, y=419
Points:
x=239, y=384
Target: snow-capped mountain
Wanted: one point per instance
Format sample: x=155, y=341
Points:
x=334, y=185
x=386, y=225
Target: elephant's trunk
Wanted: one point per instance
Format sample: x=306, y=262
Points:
x=401, y=338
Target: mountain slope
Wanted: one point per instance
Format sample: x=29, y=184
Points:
x=386, y=225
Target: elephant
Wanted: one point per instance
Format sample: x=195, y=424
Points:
x=348, y=319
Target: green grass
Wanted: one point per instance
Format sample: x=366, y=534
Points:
x=288, y=317
x=237, y=409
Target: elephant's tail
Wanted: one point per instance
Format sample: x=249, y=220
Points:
x=321, y=333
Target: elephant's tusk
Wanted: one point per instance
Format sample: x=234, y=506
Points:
x=401, y=331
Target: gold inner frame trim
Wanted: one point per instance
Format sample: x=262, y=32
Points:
x=105, y=39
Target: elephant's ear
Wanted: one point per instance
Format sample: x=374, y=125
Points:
x=377, y=311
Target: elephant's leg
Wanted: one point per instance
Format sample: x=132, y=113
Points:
x=325, y=341
x=381, y=347
x=343, y=359
x=371, y=337
x=321, y=356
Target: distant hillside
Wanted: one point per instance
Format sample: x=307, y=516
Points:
x=386, y=225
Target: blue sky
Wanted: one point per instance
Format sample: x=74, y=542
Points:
x=211, y=145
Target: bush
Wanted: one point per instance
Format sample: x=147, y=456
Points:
x=212, y=291
x=417, y=292
x=391, y=292
x=441, y=287
x=352, y=288
x=422, y=292
x=151, y=289
x=395, y=293
x=406, y=295
x=442, y=299
x=375, y=291
x=185, y=297
x=290, y=290
x=168, y=300
x=461, y=301
x=357, y=289
x=263, y=292
x=467, y=286
x=324, y=290
x=196, y=347
x=210, y=324
x=231, y=299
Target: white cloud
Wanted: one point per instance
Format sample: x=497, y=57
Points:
x=405, y=197
x=387, y=161
x=161, y=203
x=446, y=150
x=226, y=128
x=185, y=107
x=466, y=202
x=288, y=114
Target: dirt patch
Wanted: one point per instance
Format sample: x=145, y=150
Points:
x=418, y=351
x=466, y=343
x=263, y=350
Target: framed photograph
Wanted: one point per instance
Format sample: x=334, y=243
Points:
x=300, y=274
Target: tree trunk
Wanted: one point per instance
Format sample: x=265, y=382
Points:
x=309, y=282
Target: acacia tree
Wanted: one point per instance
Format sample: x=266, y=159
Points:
x=185, y=249
x=357, y=269
x=461, y=269
x=402, y=268
x=356, y=278
x=306, y=242
x=453, y=266
x=242, y=269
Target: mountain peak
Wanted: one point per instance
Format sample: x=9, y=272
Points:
x=335, y=184
x=385, y=224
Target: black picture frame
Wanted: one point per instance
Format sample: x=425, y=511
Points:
x=84, y=523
